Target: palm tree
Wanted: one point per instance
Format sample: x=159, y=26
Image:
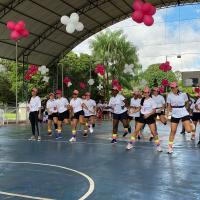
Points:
x=114, y=51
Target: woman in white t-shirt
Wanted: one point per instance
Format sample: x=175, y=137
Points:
x=52, y=113
x=119, y=109
x=62, y=105
x=134, y=110
x=196, y=114
x=176, y=104
x=34, y=107
x=76, y=108
x=89, y=109
x=147, y=110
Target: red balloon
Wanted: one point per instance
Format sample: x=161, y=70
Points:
x=148, y=20
x=137, y=5
x=146, y=7
x=14, y=35
x=152, y=10
x=137, y=16
x=24, y=33
x=11, y=25
x=20, y=26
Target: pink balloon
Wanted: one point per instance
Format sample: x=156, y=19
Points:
x=14, y=35
x=20, y=26
x=148, y=20
x=137, y=16
x=24, y=33
x=152, y=10
x=137, y=5
x=11, y=25
x=146, y=7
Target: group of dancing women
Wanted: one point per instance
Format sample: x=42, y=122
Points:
x=145, y=107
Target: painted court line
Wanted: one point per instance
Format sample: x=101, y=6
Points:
x=86, y=195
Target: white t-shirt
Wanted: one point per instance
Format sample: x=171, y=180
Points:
x=178, y=100
x=51, y=106
x=35, y=104
x=91, y=104
x=194, y=104
x=148, y=106
x=100, y=106
x=159, y=102
x=62, y=104
x=117, y=104
x=76, y=104
x=134, y=103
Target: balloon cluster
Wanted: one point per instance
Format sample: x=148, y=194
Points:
x=143, y=12
x=32, y=70
x=165, y=67
x=161, y=90
x=18, y=30
x=67, y=81
x=197, y=89
x=100, y=70
x=82, y=85
x=72, y=23
x=165, y=82
x=115, y=83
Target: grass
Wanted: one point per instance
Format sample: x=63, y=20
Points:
x=11, y=116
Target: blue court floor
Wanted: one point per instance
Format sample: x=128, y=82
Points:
x=94, y=169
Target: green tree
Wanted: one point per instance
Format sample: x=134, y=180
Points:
x=153, y=73
x=113, y=50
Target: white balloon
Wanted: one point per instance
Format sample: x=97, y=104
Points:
x=64, y=20
x=74, y=18
x=79, y=26
x=70, y=28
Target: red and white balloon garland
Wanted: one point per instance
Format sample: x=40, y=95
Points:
x=143, y=12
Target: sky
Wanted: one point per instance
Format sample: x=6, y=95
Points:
x=176, y=31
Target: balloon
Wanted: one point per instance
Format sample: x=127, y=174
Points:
x=165, y=82
x=74, y=18
x=146, y=7
x=79, y=26
x=148, y=20
x=20, y=26
x=64, y=20
x=24, y=33
x=137, y=5
x=11, y=25
x=137, y=16
x=14, y=35
x=70, y=28
x=152, y=10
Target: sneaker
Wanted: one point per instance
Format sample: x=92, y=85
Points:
x=125, y=134
x=73, y=139
x=139, y=137
x=170, y=150
x=158, y=148
x=113, y=141
x=39, y=138
x=91, y=129
x=58, y=136
x=129, y=146
x=85, y=135
x=193, y=137
x=32, y=138
x=49, y=134
x=198, y=142
x=129, y=129
x=150, y=139
x=182, y=132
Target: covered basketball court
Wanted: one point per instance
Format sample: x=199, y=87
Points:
x=92, y=168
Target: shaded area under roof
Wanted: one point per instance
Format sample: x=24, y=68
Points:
x=48, y=40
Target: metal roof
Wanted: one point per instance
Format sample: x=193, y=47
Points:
x=48, y=40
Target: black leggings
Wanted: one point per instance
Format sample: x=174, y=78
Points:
x=33, y=117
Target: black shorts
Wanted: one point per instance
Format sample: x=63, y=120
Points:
x=78, y=114
x=50, y=117
x=131, y=118
x=159, y=114
x=87, y=117
x=196, y=117
x=177, y=120
x=149, y=120
x=63, y=115
x=121, y=116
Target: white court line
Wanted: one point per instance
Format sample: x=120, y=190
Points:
x=86, y=195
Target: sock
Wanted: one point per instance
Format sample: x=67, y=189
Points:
x=132, y=140
x=114, y=136
x=74, y=133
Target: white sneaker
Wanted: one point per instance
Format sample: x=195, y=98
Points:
x=170, y=150
x=91, y=129
x=159, y=149
x=39, y=138
x=129, y=146
x=73, y=139
x=193, y=137
x=32, y=138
